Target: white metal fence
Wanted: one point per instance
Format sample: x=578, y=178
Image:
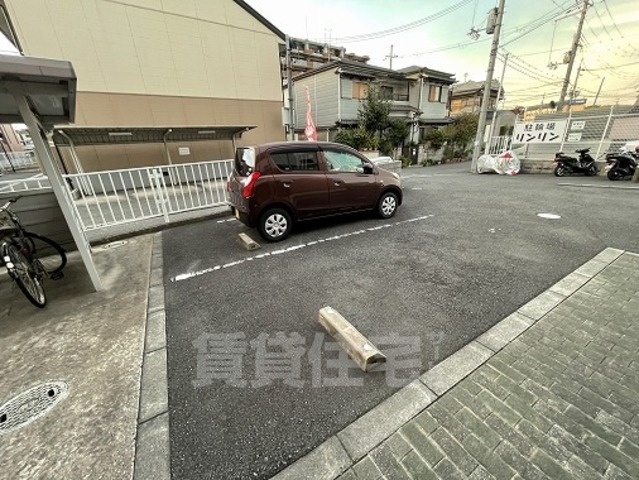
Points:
x=603, y=131
x=36, y=182
x=115, y=197
x=14, y=161
x=499, y=145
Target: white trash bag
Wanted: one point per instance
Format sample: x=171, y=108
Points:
x=506, y=163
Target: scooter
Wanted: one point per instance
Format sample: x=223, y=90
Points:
x=621, y=165
x=565, y=165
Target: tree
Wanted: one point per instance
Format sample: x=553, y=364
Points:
x=376, y=130
x=356, y=138
x=460, y=134
x=465, y=129
x=373, y=112
x=435, y=138
x=397, y=132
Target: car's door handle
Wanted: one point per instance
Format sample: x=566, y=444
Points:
x=338, y=182
x=287, y=184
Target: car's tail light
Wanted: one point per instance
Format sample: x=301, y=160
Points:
x=249, y=184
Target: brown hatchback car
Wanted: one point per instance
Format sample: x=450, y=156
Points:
x=276, y=184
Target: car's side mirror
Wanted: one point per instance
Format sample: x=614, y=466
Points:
x=366, y=168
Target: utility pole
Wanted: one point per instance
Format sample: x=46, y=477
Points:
x=487, y=87
x=492, y=124
x=573, y=54
x=289, y=87
x=391, y=56
x=598, y=92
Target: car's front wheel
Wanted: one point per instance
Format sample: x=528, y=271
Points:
x=275, y=224
x=387, y=205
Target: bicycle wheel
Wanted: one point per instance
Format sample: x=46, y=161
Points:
x=28, y=281
x=49, y=253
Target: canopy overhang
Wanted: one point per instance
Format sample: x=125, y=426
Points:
x=81, y=136
x=48, y=85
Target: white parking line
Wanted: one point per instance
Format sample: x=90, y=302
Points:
x=227, y=220
x=186, y=276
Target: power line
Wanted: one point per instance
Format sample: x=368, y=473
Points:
x=530, y=67
x=612, y=39
x=541, y=21
x=618, y=66
x=606, y=66
x=402, y=28
x=534, y=24
x=617, y=27
x=532, y=54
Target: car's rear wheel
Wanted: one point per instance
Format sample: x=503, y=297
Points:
x=387, y=205
x=275, y=224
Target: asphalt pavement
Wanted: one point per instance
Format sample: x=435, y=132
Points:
x=462, y=253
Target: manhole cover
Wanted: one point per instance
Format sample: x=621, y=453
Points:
x=30, y=405
x=117, y=244
x=549, y=216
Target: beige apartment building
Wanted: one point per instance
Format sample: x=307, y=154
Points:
x=159, y=63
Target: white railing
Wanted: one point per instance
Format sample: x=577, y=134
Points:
x=36, y=182
x=115, y=197
x=12, y=161
x=499, y=145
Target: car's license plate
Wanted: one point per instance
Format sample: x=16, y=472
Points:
x=237, y=214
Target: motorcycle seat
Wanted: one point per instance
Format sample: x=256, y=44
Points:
x=582, y=150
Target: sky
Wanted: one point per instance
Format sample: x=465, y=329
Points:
x=533, y=33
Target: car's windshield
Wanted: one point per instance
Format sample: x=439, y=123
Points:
x=244, y=161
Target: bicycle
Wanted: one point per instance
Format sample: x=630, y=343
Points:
x=19, y=253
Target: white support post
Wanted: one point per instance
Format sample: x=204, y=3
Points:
x=46, y=162
x=567, y=131
x=84, y=183
x=603, y=134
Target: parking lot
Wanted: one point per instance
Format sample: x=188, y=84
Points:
x=462, y=252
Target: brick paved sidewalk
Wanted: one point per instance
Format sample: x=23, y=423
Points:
x=561, y=400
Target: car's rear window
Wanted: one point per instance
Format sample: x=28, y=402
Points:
x=244, y=161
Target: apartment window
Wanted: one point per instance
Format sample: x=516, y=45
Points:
x=435, y=93
x=360, y=90
x=386, y=92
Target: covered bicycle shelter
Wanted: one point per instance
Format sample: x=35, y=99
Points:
x=41, y=93
x=72, y=137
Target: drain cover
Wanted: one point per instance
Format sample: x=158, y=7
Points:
x=26, y=407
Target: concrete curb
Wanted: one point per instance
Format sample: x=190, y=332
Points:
x=341, y=451
x=152, y=449
x=225, y=212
